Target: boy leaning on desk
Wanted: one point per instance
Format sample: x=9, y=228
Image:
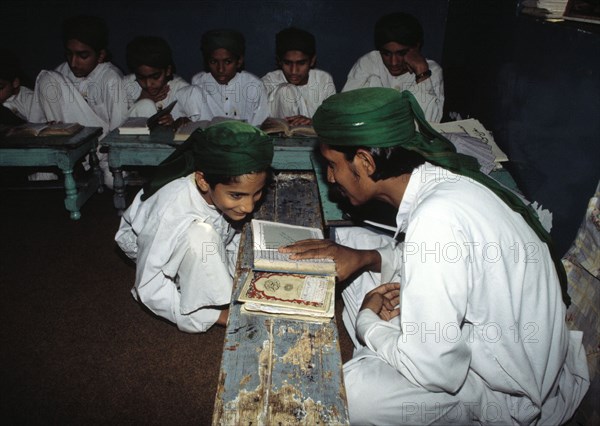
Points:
x=182, y=227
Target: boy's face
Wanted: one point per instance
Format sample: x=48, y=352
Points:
x=151, y=79
x=235, y=200
x=296, y=65
x=8, y=88
x=393, y=54
x=223, y=65
x=82, y=59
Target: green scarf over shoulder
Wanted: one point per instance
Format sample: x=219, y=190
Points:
x=384, y=117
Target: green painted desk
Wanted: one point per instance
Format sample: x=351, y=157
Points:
x=149, y=150
x=63, y=152
x=277, y=371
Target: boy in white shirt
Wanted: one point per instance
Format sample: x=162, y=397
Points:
x=398, y=63
x=152, y=84
x=296, y=89
x=13, y=95
x=87, y=88
x=224, y=90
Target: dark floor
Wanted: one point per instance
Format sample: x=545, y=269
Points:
x=76, y=348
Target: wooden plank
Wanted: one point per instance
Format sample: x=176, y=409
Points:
x=274, y=370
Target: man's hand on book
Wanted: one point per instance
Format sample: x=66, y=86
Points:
x=348, y=261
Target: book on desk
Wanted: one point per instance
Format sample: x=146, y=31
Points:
x=281, y=286
x=143, y=125
x=43, y=129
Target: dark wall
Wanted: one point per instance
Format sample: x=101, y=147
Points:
x=343, y=29
x=536, y=85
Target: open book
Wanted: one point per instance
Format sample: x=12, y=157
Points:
x=269, y=236
x=295, y=296
x=143, y=125
x=473, y=128
x=280, y=126
x=44, y=129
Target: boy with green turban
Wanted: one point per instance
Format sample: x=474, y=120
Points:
x=463, y=322
x=181, y=228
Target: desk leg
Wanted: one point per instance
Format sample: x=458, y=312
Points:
x=71, y=198
x=96, y=169
x=119, y=188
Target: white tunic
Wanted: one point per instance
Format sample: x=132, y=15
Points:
x=287, y=100
x=184, y=250
x=20, y=104
x=147, y=107
x=370, y=71
x=97, y=100
x=482, y=318
x=243, y=98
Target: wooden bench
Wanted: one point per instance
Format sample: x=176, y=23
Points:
x=63, y=152
x=277, y=371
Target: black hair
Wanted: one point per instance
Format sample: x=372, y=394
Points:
x=398, y=27
x=389, y=162
x=214, y=179
x=90, y=30
x=293, y=38
x=10, y=68
x=151, y=51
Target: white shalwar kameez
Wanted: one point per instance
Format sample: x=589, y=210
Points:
x=147, y=107
x=482, y=335
x=288, y=100
x=243, y=98
x=185, y=253
x=370, y=71
x=97, y=100
x=20, y=104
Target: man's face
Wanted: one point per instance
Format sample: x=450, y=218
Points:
x=151, y=79
x=7, y=89
x=223, y=65
x=346, y=176
x=393, y=54
x=295, y=66
x=82, y=59
x=235, y=200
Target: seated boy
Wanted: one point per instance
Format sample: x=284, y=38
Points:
x=152, y=84
x=180, y=228
x=13, y=95
x=296, y=89
x=225, y=90
x=398, y=63
x=86, y=89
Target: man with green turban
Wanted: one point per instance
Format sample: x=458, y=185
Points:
x=466, y=322
x=181, y=229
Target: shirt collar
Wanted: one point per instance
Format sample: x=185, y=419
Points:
x=409, y=198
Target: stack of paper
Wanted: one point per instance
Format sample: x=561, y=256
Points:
x=549, y=9
x=471, y=138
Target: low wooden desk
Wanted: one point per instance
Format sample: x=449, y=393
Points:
x=63, y=152
x=278, y=371
x=150, y=150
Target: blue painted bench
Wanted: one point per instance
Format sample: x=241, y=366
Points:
x=63, y=152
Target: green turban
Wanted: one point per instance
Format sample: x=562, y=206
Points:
x=384, y=118
x=231, y=148
x=231, y=40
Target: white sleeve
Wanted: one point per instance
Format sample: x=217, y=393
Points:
x=431, y=348
x=430, y=93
